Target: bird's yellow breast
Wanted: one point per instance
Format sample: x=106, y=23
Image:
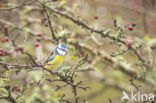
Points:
x=56, y=62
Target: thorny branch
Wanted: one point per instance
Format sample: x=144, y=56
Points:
x=22, y=5
x=49, y=21
x=132, y=82
x=133, y=78
x=67, y=78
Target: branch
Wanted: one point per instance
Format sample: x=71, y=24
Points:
x=100, y=32
x=132, y=83
x=49, y=21
x=19, y=6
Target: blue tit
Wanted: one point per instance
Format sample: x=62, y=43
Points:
x=56, y=61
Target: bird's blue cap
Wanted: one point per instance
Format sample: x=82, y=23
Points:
x=61, y=46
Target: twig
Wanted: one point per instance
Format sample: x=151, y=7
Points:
x=132, y=83
x=19, y=6
x=114, y=54
x=49, y=22
x=75, y=93
x=31, y=57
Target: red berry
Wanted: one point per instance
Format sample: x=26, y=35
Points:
x=130, y=28
x=6, y=38
x=1, y=53
x=5, y=26
x=96, y=17
x=39, y=34
x=38, y=39
x=1, y=50
x=37, y=44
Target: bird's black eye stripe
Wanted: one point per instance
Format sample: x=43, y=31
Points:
x=62, y=49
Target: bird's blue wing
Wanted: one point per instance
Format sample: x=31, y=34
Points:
x=51, y=57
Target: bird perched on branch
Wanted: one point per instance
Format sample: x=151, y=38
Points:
x=56, y=61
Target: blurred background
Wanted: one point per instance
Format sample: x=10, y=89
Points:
x=107, y=76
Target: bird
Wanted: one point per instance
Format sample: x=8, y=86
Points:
x=56, y=61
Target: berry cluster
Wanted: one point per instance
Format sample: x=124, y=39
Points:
x=6, y=38
x=38, y=39
x=130, y=40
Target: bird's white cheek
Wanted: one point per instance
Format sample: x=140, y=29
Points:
x=61, y=52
